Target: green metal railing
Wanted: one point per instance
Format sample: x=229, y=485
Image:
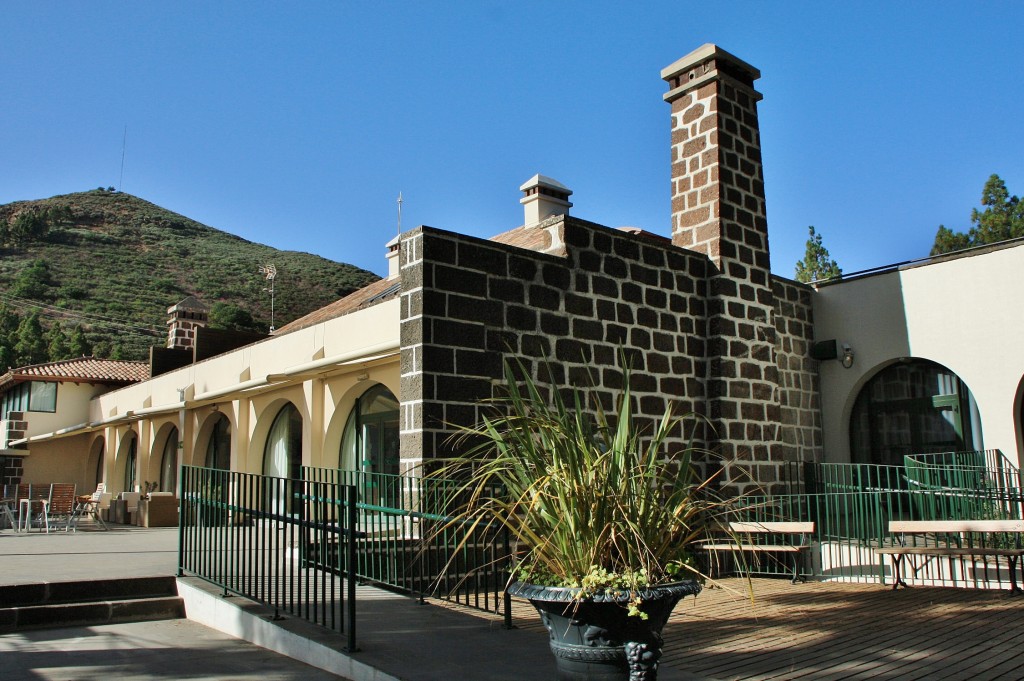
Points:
x=408, y=544
x=852, y=504
x=286, y=543
x=988, y=471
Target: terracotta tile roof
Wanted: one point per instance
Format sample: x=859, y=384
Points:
x=83, y=369
x=530, y=238
x=377, y=292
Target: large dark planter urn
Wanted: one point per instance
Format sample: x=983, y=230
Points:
x=595, y=639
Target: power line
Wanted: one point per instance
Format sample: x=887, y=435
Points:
x=92, y=319
x=124, y=143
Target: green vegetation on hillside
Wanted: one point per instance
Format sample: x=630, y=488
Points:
x=113, y=263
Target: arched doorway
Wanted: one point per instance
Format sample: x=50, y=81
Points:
x=131, y=461
x=913, y=407
x=218, y=449
x=169, y=463
x=282, y=456
x=370, y=444
x=97, y=455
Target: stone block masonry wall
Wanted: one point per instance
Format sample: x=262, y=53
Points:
x=467, y=304
x=718, y=208
x=14, y=427
x=799, y=392
x=11, y=470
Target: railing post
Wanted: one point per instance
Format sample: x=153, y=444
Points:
x=506, y=577
x=350, y=577
x=183, y=476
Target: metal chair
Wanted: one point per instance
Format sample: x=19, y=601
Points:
x=88, y=504
x=10, y=497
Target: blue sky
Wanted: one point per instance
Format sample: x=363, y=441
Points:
x=297, y=124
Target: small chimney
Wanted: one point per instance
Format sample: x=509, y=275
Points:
x=394, y=248
x=185, y=318
x=543, y=198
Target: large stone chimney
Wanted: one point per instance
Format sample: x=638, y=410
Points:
x=185, y=318
x=718, y=208
x=717, y=179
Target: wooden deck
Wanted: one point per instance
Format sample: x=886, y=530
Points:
x=825, y=630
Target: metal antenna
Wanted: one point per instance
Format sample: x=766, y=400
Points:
x=399, y=213
x=270, y=272
x=124, y=142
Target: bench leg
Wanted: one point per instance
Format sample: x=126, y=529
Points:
x=1014, y=589
x=797, y=577
x=897, y=571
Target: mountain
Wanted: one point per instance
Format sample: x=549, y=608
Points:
x=114, y=263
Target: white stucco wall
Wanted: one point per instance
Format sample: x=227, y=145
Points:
x=964, y=313
x=320, y=370
x=72, y=408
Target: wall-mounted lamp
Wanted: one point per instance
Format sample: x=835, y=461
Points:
x=847, y=357
x=363, y=376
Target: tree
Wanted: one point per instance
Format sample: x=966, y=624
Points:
x=29, y=225
x=6, y=358
x=9, y=322
x=33, y=281
x=79, y=345
x=817, y=264
x=229, y=316
x=57, y=345
x=1001, y=219
x=31, y=346
x=102, y=348
x=947, y=241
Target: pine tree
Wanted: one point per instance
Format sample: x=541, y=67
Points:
x=9, y=322
x=57, y=345
x=817, y=264
x=1001, y=219
x=79, y=345
x=31, y=346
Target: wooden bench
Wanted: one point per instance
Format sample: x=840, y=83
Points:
x=731, y=539
x=947, y=540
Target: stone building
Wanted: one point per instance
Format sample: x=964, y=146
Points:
x=377, y=381
x=701, y=317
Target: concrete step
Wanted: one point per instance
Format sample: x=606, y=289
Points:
x=63, y=604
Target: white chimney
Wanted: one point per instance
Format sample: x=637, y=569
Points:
x=543, y=198
x=392, y=256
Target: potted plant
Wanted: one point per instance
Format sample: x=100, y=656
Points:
x=602, y=511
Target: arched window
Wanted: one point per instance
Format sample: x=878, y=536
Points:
x=218, y=450
x=130, y=464
x=101, y=446
x=282, y=457
x=169, y=463
x=913, y=407
x=370, y=442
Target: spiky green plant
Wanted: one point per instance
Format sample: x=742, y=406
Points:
x=591, y=499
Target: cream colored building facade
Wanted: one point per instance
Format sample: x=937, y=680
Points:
x=319, y=370
x=961, y=312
